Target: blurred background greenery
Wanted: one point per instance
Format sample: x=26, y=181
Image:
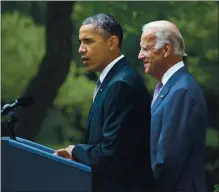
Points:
x=39, y=46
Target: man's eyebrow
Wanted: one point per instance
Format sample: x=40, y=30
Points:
x=143, y=45
x=85, y=39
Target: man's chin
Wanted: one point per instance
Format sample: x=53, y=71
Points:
x=147, y=71
x=94, y=68
x=90, y=69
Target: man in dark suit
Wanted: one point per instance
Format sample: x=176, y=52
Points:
x=178, y=124
x=117, y=146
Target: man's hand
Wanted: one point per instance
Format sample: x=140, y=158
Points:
x=65, y=152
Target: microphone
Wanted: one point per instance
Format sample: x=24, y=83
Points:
x=19, y=103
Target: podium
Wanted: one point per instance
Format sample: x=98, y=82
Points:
x=31, y=167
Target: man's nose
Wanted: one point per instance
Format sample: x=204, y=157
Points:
x=140, y=55
x=81, y=49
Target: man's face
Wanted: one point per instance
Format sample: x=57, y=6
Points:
x=151, y=57
x=94, y=48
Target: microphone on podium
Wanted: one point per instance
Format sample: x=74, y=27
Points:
x=19, y=103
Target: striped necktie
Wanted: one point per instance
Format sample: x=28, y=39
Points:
x=98, y=83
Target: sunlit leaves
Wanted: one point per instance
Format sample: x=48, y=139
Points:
x=22, y=50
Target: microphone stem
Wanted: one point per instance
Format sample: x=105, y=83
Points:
x=11, y=122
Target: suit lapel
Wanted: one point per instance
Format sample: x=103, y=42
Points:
x=95, y=102
x=163, y=93
x=118, y=66
x=160, y=97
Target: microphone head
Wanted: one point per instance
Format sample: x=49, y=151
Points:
x=5, y=106
x=25, y=101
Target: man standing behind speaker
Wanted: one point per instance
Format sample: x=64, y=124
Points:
x=117, y=146
x=179, y=113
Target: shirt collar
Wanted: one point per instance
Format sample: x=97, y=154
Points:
x=171, y=71
x=108, y=67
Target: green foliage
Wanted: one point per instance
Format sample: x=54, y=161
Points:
x=195, y=21
x=56, y=131
x=76, y=94
x=212, y=138
x=23, y=46
x=74, y=97
x=77, y=90
x=22, y=49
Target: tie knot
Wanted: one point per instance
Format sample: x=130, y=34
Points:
x=157, y=91
x=158, y=87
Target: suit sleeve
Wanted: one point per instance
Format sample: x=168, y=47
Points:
x=116, y=131
x=175, y=142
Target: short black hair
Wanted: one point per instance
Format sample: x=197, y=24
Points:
x=106, y=25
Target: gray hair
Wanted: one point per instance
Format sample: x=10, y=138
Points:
x=167, y=32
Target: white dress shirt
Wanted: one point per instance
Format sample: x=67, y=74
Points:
x=108, y=67
x=171, y=71
x=105, y=72
x=167, y=76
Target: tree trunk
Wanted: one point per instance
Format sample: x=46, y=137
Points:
x=52, y=70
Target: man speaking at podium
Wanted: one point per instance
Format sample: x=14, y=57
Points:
x=118, y=128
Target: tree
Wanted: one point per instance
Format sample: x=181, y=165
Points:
x=52, y=70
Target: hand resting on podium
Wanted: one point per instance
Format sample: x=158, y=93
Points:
x=65, y=152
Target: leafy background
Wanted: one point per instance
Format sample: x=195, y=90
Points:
x=24, y=44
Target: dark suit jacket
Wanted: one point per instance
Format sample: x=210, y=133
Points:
x=178, y=128
x=117, y=146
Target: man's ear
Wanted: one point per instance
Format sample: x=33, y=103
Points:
x=113, y=42
x=167, y=50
